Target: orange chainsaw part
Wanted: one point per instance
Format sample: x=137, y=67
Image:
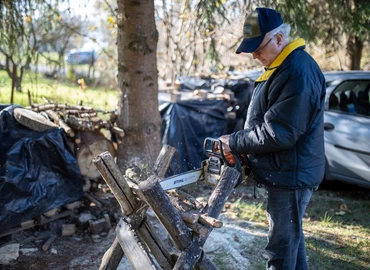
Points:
x=230, y=158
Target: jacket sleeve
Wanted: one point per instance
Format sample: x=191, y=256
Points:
x=288, y=116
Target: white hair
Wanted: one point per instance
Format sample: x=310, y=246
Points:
x=283, y=29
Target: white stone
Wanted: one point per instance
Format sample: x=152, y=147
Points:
x=27, y=251
x=9, y=253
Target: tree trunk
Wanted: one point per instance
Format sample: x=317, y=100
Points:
x=354, y=50
x=137, y=78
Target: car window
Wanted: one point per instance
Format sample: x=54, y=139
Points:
x=351, y=97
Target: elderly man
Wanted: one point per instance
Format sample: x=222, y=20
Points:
x=283, y=132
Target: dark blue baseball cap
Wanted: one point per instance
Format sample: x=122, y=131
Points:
x=257, y=24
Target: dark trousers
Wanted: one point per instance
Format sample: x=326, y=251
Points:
x=286, y=247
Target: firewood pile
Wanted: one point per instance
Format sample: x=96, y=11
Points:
x=187, y=221
x=78, y=118
x=87, y=134
x=88, y=131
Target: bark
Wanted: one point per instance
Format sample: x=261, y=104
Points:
x=137, y=77
x=157, y=198
x=354, y=50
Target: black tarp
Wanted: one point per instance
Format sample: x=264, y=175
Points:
x=38, y=171
x=185, y=125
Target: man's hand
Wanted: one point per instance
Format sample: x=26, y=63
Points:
x=225, y=143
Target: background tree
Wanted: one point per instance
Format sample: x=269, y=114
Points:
x=333, y=24
x=24, y=30
x=195, y=35
x=18, y=36
x=59, y=38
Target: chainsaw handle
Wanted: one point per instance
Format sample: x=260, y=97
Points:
x=214, y=146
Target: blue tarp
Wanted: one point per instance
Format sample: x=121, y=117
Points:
x=38, y=171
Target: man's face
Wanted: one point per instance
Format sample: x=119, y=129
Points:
x=267, y=52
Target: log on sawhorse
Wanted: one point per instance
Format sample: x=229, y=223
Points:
x=189, y=244
x=130, y=207
x=187, y=234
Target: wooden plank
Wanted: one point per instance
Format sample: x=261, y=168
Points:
x=163, y=161
x=40, y=220
x=112, y=175
x=112, y=257
x=135, y=251
x=48, y=242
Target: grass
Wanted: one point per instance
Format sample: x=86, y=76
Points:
x=338, y=230
x=43, y=90
x=336, y=225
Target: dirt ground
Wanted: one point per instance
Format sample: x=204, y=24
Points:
x=236, y=245
x=83, y=250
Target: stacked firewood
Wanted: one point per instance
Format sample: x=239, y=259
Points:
x=90, y=131
x=80, y=118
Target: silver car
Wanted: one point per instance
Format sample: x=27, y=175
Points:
x=347, y=127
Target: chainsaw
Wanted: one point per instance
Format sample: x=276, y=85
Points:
x=211, y=168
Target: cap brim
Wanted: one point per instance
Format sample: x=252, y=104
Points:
x=249, y=45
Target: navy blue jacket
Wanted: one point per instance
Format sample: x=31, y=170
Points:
x=283, y=134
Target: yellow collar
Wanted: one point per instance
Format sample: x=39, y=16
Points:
x=281, y=57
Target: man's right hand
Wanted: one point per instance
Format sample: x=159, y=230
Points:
x=225, y=143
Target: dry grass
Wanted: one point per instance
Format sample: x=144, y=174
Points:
x=336, y=225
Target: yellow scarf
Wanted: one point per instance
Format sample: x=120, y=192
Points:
x=281, y=57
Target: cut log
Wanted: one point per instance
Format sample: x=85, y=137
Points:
x=48, y=242
x=210, y=221
x=185, y=196
x=33, y=120
x=201, y=230
x=189, y=218
x=91, y=144
x=58, y=121
x=166, y=212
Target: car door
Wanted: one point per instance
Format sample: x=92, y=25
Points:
x=347, y=132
